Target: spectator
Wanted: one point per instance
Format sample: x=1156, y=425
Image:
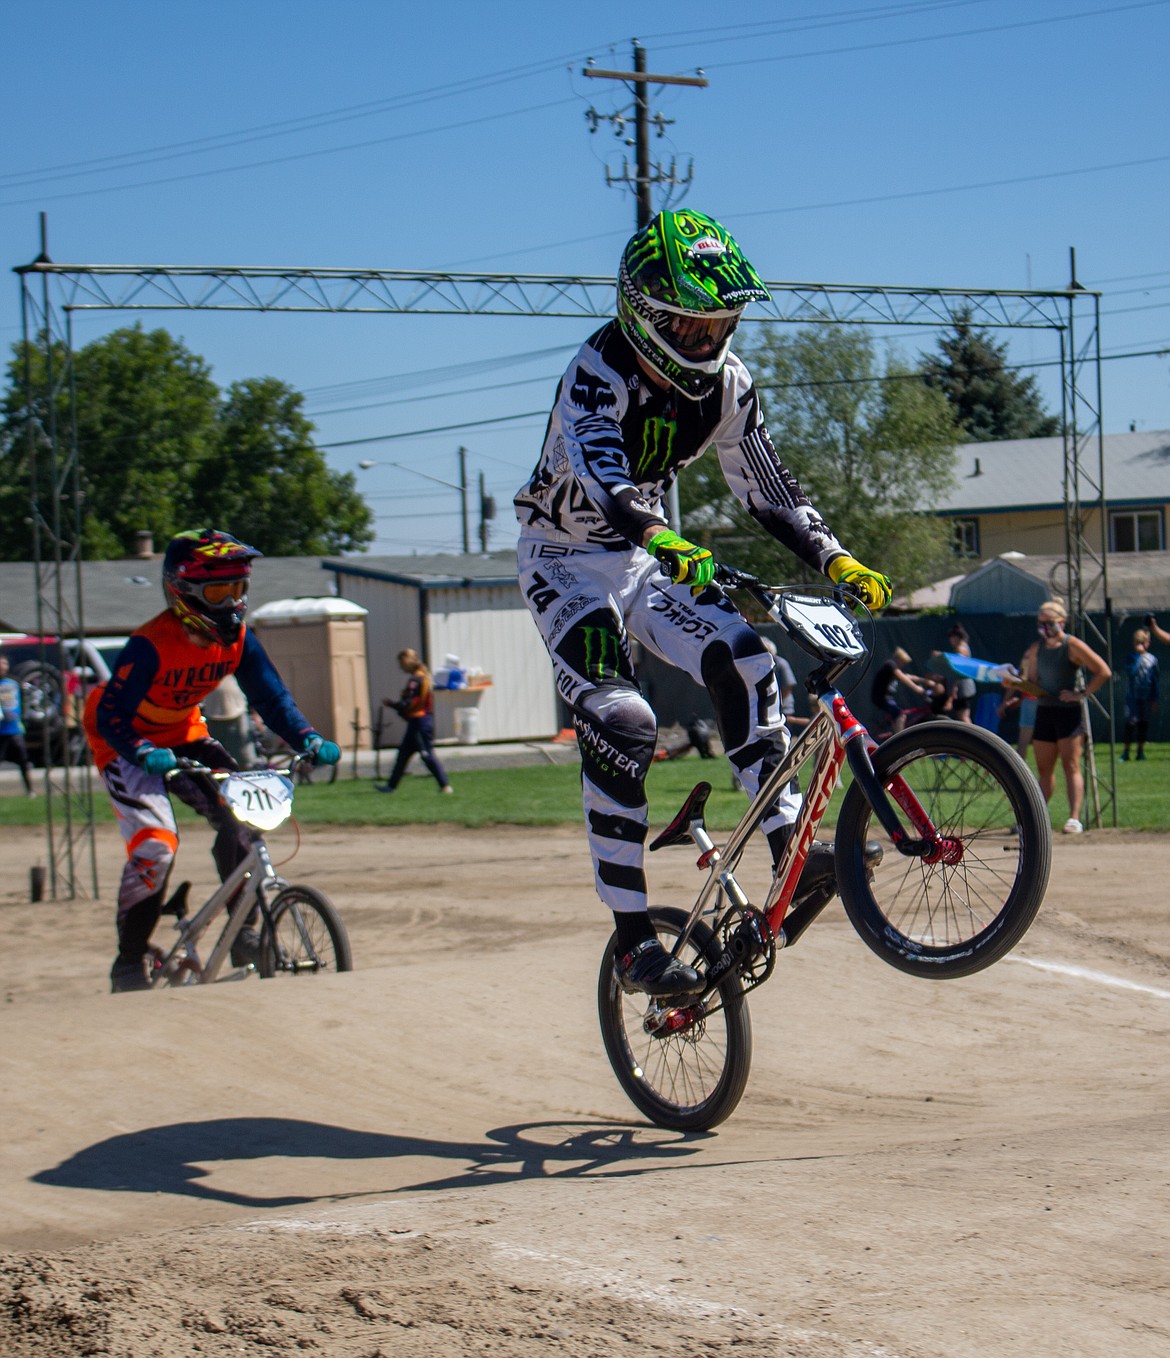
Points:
x=1025, y=707
x=785, y=681
x=416, y=705
x=1054, y=662
x=1141, y=692
x=225, y=709
x=12, y=746
x=962, y=690
x=884, y=691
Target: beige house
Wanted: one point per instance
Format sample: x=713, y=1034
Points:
x=1009, y=496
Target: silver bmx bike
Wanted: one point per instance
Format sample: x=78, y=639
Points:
x=966, y=853
x=301, y=932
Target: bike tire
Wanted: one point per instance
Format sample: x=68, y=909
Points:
x=690, y=1080
x=306, y=936
x=949, y=920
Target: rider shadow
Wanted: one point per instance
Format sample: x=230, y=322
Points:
x=169, y=1159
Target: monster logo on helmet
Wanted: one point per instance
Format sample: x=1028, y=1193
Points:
x=205, y=582
x=682, y=286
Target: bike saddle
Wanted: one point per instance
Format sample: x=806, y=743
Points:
x=678, y=831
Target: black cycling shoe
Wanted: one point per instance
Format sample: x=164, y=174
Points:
x=650, y=970
x=128, y=973
x=246, y=949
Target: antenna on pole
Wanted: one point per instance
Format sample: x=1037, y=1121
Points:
x=645, y=175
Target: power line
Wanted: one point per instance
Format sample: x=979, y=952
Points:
x=937, y=37
x=307, y=122
x=285, y=160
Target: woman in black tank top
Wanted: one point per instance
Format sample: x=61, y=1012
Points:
x=1054, y=662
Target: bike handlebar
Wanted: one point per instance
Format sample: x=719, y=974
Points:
x=731, y=578
x=185, y=765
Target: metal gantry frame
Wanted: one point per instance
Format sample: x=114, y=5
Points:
x=52, y=293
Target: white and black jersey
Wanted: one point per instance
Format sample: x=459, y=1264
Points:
x=616, y=442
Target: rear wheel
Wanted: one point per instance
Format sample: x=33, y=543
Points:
x=306, y=936
x=961, y=913
x=684, y=1064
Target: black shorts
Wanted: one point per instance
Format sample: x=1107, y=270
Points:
x=1058, y=723
x=12, y=747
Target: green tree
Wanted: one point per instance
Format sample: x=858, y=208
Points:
x=990, y=401
x=160, y=448
x=874, y=451
x=268, y=481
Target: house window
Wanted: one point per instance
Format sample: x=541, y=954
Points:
x=1135, y=530
x=965, y=539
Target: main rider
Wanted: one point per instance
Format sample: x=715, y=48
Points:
x=645, y=395
x=147, y=717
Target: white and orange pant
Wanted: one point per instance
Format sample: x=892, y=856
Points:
x=150, y=833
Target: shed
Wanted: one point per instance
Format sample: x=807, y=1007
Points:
x=999, y=586
x=319, y=647
x=465, y=606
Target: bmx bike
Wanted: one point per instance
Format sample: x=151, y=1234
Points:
x=301, y=932
x=966, y=853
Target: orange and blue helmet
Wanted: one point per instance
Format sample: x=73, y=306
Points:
x=205, y=582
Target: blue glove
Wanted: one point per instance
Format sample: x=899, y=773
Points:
x=323, y=751
x=155, y=761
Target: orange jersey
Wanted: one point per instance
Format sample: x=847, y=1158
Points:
x=159, y=681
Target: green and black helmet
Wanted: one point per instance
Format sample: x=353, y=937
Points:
x=682, y=286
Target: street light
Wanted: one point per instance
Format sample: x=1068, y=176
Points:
x=367, y=463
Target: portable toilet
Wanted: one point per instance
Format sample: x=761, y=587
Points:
x=319, y=647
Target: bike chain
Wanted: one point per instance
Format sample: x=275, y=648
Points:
x=748, y=942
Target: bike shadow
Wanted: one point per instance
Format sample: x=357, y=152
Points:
x=173, y=1158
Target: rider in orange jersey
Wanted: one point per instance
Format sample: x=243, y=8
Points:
x=147, y=717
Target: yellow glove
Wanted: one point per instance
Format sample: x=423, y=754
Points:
x=683, y=561
x=873, y=588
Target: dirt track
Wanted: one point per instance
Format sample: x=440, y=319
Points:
x=431, y=1156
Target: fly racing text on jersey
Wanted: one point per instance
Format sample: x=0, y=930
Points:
x=161, y=677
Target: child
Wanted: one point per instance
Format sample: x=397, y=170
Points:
x=1141, y=693
x=884, y=692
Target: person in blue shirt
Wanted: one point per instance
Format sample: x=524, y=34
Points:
x=12, y=744
x=1141, y=692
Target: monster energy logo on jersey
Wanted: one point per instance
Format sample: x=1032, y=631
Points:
x=657, y=447
x=601, y=653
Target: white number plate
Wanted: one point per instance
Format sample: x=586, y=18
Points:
x=824, y=625
x=260, y=799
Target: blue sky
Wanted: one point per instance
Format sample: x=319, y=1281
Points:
x=951, y=143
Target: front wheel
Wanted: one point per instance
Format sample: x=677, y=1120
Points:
x=963, y=908
x=305, y=936
x=684, y=1064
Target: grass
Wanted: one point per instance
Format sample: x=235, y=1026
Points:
x=551, y=795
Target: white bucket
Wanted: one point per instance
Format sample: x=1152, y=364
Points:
x=467, y=725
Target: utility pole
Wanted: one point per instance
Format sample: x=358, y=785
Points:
x=463, y=501
x=645, y=175
x=487, y=512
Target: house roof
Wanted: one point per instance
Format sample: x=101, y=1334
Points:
x=1029, y=473
x=1139, y=582
x=119, y=596
x=429, y=572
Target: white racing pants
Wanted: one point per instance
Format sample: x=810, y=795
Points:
x=587, y=605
